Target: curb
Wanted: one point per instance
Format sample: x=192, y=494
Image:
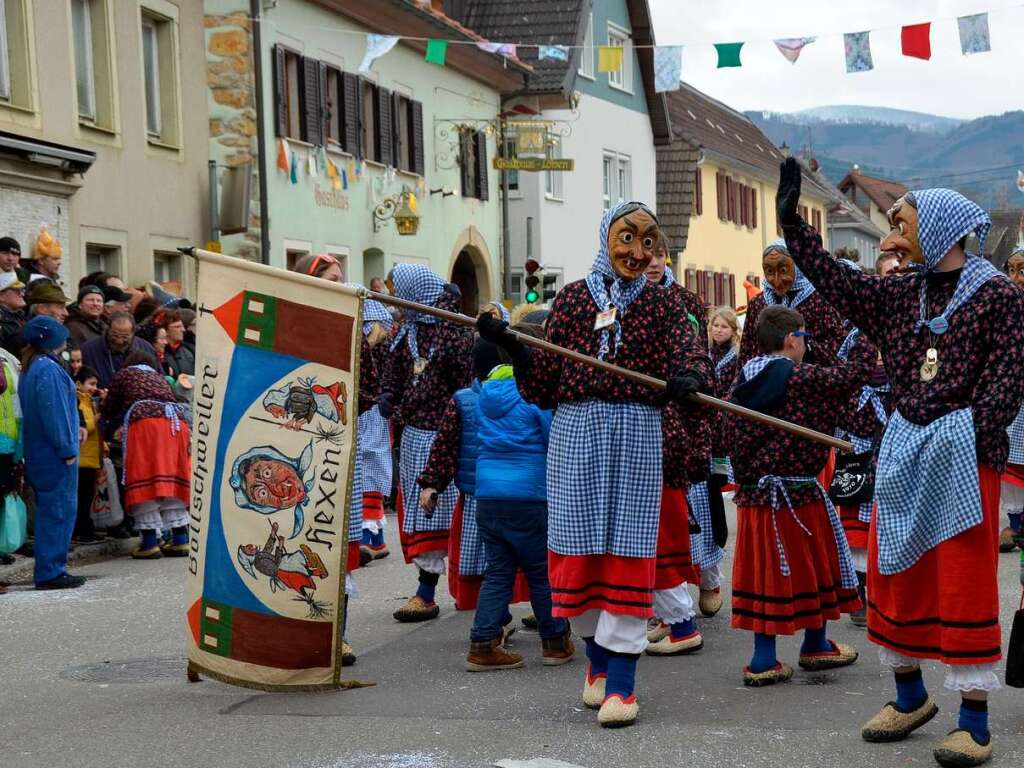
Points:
x=21, y=569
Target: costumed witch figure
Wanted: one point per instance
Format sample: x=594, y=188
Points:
x=1012, y=491
x=374, y=433
x=686, y=440
x=952, y=338
x=430, y=361
x=604, y=494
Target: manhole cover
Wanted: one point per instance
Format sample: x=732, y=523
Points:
x=120, y=671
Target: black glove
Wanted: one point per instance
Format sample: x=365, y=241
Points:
x=787, y=199
x=493, y=330
x=682, y=386
x=386, y=404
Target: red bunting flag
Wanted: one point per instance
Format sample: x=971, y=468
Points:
x=916, y=39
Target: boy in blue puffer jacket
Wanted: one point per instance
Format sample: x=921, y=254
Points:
x=511, y=493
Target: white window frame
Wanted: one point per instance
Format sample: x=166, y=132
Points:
x=622, y=78
x=341, y=253
x=171, y=259
x=86, y=110
x=617, y=178
x=587, y=51
x=299, y=247
x=154, y=117
x=5, y=60
x=553, y=180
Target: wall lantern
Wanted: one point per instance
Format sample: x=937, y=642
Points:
x=401, y=208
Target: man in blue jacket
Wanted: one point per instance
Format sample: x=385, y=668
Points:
x=512, y=514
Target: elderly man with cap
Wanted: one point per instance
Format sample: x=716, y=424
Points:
x=951, y=335
x=51, y=433
x=45, y=299
x=12, y=310
x=86, y=317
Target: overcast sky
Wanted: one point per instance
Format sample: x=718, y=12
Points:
x=949, y=84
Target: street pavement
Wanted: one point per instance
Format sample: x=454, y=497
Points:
x=96, y=677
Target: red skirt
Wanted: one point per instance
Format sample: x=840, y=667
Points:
x=157, y=464
x=856, y=529
x=674, y=564
x=946, y=605
x=1014, y=475
x=352, y=559
x=826, y=475
x=581, y=583
x=421, y=542
x=465, y=590
x=373, y=505
x=766, y=601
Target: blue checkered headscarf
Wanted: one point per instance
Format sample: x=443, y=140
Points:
x=801, y=284
x=373, y=311
x=622, y=292
x=415, y=282
x=945, y=216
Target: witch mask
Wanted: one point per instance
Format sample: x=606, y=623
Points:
x=631, y=241
x=779, y=271
x=902, y=239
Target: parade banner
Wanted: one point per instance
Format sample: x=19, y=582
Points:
x=274, y=422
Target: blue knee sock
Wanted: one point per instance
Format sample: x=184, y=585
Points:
x=815, y=641
x=974, y=718
x=378, y=538
x=1014, y=520
x=179, y=535
x=764, y=653
x=910, y=690
x=621, y=674
x=149, y=538
x=367, y=539
x=683, y=629
x=428, y=583
x=598, y=657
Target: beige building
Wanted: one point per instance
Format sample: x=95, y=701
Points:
x=103, y=132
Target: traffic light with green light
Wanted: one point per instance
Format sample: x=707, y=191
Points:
x=532, y=281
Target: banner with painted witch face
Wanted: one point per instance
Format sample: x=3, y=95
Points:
x=274, y=417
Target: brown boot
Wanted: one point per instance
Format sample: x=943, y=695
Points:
x=489, y=655
x=558, y=650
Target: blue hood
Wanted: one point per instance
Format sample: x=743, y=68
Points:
x=499, y=397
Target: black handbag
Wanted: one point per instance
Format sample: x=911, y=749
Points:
x=853, y=483
x=1015, y=650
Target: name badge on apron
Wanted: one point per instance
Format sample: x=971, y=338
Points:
x=605, y=319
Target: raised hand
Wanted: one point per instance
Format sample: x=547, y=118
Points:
x=787, y=199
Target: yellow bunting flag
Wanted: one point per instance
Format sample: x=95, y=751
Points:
x=609, y=58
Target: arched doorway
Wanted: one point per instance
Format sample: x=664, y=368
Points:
x=464, y=276
x=471, y=270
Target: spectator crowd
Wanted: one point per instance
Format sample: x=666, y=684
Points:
x=79, y=374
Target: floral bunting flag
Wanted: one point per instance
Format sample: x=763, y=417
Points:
x=858, y=52
x=295, y=169
x=974, y=37
x=553, y=52
x=376, y=46
x=436, y=52
x=502, y=49
x=790, y=47
x=915, y=40
x=668, y=67
x=728, y=54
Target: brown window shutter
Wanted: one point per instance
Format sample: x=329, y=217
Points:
x=737, y=205
x=691, y=279
x=385, y=139
x=719, y=299
x=416, y=136
x=482, y=187
x=312, y=125
x=744, y=205
x=698, y=193
x=398, y=152
x=349, y=100
x=280, y=92
x=465, y=163
x=731, y=301
x=719, y=190
x=728, y=199
x=753, y=207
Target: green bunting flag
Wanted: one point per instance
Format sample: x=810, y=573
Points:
x=728, y=54
x=436, y=50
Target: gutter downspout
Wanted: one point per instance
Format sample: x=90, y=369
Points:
x=256, y=16
x=506, y=233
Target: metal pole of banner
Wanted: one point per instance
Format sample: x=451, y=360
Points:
x=641, y=378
